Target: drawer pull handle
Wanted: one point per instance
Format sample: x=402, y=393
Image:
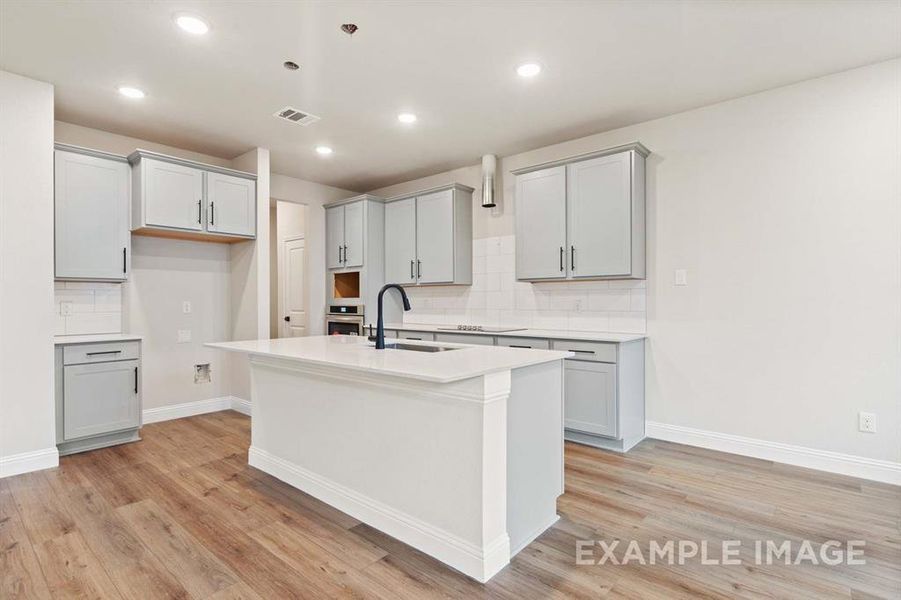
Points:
x=515, y=346
x=104, y=352
x=582, y=351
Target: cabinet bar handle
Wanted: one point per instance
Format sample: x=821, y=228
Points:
x=339, y=254
x=412, y=276
x=582, y=351
x=123, y=260
x=212, y=213
x=561, y=259
x=105, y=352
x=515, y=346
x=199, y=212
x=345, y=253
x=418, y=269
x=572, y=258
x=136, y=380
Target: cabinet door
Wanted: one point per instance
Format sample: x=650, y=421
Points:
x=91, y=216
x=540, y=224
x=173, y=195
x=334, y=237
x=231, y=204
x=100, y=398
x=353, y=234
x=599, y=203
x=400, y=241
x=590, y=397
x=435, y=237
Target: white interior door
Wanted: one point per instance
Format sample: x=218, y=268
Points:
x=291, y=288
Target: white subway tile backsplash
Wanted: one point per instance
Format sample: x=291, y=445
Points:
x=95, y=307
x=495, y=298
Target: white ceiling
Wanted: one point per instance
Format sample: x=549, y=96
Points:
x=606, y=64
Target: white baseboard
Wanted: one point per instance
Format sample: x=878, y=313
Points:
x=480, y=563
x=186, y=409
x=241, y=405
x=27, y=462
x=822, y=460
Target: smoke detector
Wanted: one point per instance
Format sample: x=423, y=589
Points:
x=292, y=115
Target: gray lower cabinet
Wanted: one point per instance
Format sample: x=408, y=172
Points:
x=97, y=395
x=590, y=392
x=603, y=384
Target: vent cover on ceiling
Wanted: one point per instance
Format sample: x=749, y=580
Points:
x=292, y=115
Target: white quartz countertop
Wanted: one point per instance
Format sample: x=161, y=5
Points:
x=590, y=336
x=358, y=354
x=64, y=340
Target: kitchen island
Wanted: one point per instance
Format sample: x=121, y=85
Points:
x=457, y=452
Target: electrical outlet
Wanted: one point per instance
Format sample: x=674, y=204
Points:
x=65, y=308
x=680, y=277
x=577, y=305
x=866, y=422
x=184, y=336
x=186, y=307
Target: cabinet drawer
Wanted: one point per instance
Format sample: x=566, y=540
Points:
x=416, y=335
x=104, y=352
x=465, y=338
x=593, y=351
x=519, y=342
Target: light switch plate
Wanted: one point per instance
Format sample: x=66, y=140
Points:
x=680, y=277
x=186, y=307
x=184, y=336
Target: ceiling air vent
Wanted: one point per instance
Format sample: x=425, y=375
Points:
x=292, y=115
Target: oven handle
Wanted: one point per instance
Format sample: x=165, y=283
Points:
x=345, y=319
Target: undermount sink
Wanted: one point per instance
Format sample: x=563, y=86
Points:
x=417, y=347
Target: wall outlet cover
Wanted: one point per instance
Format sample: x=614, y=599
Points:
x=186, y=307
x=680, y=277
x=65, y=308
x=184, y=336
x=866, y=422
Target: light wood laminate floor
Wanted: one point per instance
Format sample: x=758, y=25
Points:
x=181, y=515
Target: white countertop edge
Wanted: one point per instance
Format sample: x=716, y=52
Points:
x=526, y=358
x=591, y=336
x=65, y=340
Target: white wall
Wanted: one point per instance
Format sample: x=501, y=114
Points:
x=26, y=273
x=785, y=208
x=313, y=195
x=164, y=273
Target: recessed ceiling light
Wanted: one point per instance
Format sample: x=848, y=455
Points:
x=323, y=150
x=131, y=92
x=406, y=117
x=528, y=70
x=192, y=24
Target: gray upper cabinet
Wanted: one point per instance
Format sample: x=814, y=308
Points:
x=400, y=241
x=540, y=222
x=354, y=219
x=172, y=197
x=91, y=204
x=599, y=196
x=344, y=225
x=428, y=237
x=231, y=204
x=582, y=217
x=435, y=237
